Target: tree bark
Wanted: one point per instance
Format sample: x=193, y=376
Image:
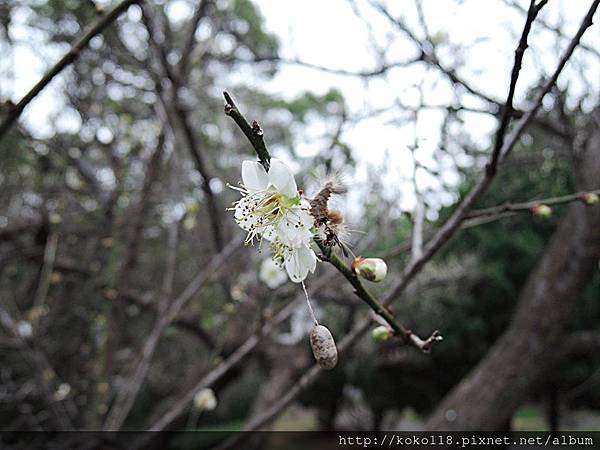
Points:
x=490, y=394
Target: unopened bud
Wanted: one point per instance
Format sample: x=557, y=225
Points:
x=24, y=329
x=589, y=198
x=372, y=269
x=381, y=333
x=541, y=210
x=205, y=400
x=323, y=347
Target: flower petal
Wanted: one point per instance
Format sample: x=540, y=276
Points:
x=244, y=215
x=282, y=178
x=305, y=218
x=254, y=176
x=308, y=258
x=292, y=232
x=299, y=262
x=294, y=268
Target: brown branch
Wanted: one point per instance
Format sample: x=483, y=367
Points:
x=131, y=387
x=439, y=239
x=430, y=57
x=14, y=230
x=67, y=59
x=168, y=313
x=184, y=323
x=187, y=324
x=178, y=118
x=44, y=373
x=254, y=133
x=131, y=254
x=163, y=418
x=182, y=402
x=383, y=68
x=508, y=110
x=484, y=216
x=407, y=335
x=48, y=262
x=553, y=28
x=499, y=210
x=306, y=380
x=190, y=40
x=453, y=223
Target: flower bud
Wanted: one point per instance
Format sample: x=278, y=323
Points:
x=541, y=210
x=589, y=198
x=323, y=347
x=381, y=333
x=24, y=329
x=205, y=400
x=372, y=269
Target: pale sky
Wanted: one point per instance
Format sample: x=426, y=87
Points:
x=330, y=34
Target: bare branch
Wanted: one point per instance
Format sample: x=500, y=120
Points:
x=44, y=373
x=439, y=239
x=190, y=40
x=560, y=33
x=178, y=118
x=178, y=406
x=131, y=387
x=453, y=223
x=261, y=149
x=309, y=377
x=47, y=267
x=405, y=334
x=499, y=210
x=211, y=377
x=67, y=59
x=126, y=397
x=383, y=68
x=508, y=110
x=254, y=133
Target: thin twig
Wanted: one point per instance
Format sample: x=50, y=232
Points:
x=67, y=59
x=419, y=211
x=132, y=385
x=254, y=133
x=453, y=223
x=178, y=119
x=560, y=33
x=486, y=215
x=47, y=268
x=178, y=406
x=439, y=239
x=527, y=206
x=508, y=110
x=406, y=334
x=304, y=382
x=383, y=68
x=190, y=40
x=44, y=373
x=165, y=317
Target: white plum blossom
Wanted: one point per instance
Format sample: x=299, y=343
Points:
x=205, y=400
x=271, y=208
x=272, y=274
x=24, y=329
x=298, y=262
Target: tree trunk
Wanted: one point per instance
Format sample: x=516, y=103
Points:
x=490, y=394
